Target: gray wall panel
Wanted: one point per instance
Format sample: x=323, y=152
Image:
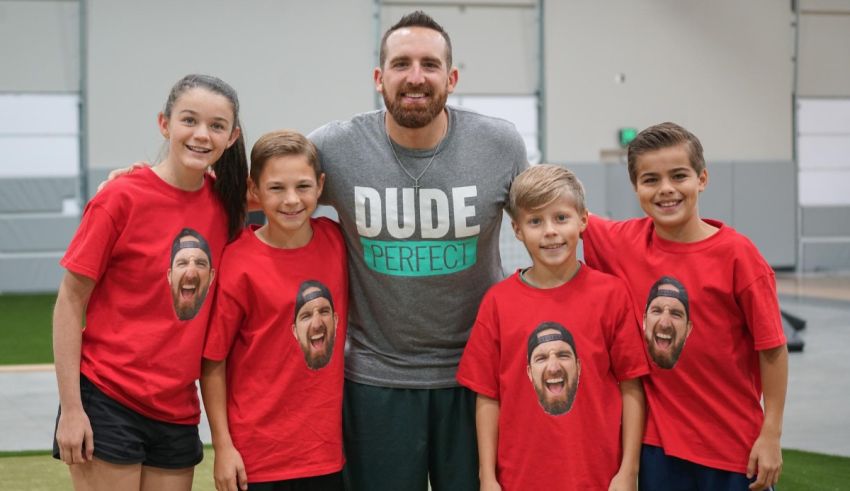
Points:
x=36, y=194
x=26, y=274
x=826, y=221
x=592, y=176
x=621, y=200
x=22, y=233
x=716, y=201
x=765, y=209
x=756, y=198
x=826, y=256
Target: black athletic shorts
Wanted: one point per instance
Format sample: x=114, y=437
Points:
x=123, y=436
x=328, y=482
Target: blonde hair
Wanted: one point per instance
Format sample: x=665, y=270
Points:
x=542, y=184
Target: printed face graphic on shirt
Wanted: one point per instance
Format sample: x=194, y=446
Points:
x=553, y=367
x=190, y=274
x=315, y=324
x=666, y=321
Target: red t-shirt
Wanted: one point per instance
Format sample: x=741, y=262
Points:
x=284, y=418
x=135, y=348
x=707, y=407
x=574, y=450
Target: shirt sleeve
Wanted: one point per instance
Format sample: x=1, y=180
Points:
x=628, y=356
x=479, y=365
x=596, y=243
x=91, y=248
x=228, y=312
x=760, y=305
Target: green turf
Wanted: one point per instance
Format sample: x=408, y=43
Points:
x=802, y=471
x=43, y=473
x=25, y=329
x=805, y=470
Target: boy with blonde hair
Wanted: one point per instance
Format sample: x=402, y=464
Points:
x=555, y=355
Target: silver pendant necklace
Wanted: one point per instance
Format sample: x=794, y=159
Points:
x=427, y=166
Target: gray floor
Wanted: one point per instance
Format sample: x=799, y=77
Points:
x=815, y=417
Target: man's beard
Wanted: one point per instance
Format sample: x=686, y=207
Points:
x=561, y=405
x=420, y=116
x=315, y=362
x=663, y=359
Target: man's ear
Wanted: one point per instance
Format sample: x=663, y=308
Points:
x=453, y=76
x=378, y=79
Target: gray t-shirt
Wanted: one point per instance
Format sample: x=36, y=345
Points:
x=419, y=260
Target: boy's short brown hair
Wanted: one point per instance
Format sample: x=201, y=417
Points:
x=542, y=184
x=281, y=143
x=660, y=136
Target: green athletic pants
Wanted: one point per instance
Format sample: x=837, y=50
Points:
x=396, y=439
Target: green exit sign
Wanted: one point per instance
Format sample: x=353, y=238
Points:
x=627, y=135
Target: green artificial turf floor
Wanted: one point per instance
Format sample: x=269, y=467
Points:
x=25, y=329
x=803, y=471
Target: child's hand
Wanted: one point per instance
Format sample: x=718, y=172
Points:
x=766, y=459
x=74, y=437
x=623, y=481
x=229, y=470
x=122, y=171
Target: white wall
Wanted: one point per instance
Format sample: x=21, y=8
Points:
x=824, y=58
x=722, y=69
x=294, y=64
x=39, y=46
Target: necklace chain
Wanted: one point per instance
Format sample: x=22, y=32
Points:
x=427, y=166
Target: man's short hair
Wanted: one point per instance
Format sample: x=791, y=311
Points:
x=563, y=335
x=417, y=19
x=660, y=136
x=542, y=184
x=301, y=298
x=282, y=143
x=198, y=243
x=657, y=291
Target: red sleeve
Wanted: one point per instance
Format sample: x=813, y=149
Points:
x=228, y=310
x=91, y=248
x=479, y=365
x=597, y=243
x=760, y=305
x=626, y=347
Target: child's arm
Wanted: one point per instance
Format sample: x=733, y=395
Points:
x=228, y=469
x=73, y=431
x=766, y=455
x=487, y=428
x=634, y=416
